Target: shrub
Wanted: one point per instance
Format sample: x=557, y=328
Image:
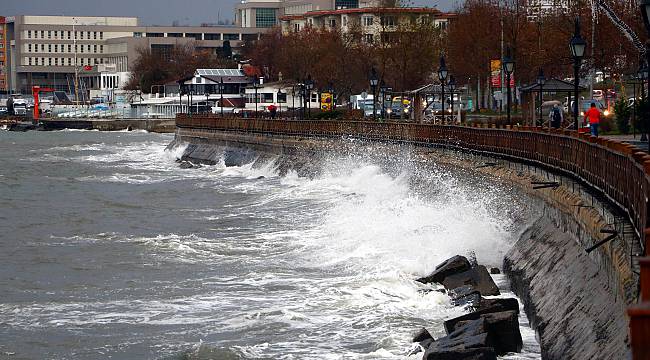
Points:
x=623, y=112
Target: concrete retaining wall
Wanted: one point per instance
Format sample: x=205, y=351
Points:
x=575, y=301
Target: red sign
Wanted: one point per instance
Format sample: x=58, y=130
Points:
x=88, y=68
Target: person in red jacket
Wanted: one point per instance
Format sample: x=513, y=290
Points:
x=594, y=118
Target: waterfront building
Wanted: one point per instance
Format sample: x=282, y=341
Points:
x=52, y=51
x=536, y=9
x=267, y=13
x=4, y=85
x=375, y=23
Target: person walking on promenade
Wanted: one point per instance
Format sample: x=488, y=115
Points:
x=594, y=119
x=273, y=110
x=556, y=117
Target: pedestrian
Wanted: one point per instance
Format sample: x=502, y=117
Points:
x=556, y=117
x=272, y=109
x=594, y=118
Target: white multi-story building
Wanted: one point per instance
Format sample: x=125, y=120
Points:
x=49, y=50
x=536, y=9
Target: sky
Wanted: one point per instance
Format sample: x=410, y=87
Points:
x=150, y=12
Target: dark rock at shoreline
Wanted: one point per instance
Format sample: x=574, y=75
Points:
x=498, y=305
x=503, y=328
x=454, y=265
x=460, y=344
x=422, y=335
x=477, y=277
x=495, y=271
x=186, y=165
x=260, y=177
x=462, y=354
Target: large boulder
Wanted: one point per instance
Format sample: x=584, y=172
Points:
x=422, y=335
x=498, y=305
x=454, y=265
x=503, y=328
x=486, y=353
x=477, y=277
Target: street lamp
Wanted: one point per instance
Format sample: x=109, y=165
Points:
x=279, y=104
x=452, y=87
x=508, y=68
x=257, y=80
x=645, y=11
x=442, y=75
x=540, y=81
x=309, y=85
x=221, y=95
x=578, y=46
x=373, y=85
x=382, y=90
x=207, y=101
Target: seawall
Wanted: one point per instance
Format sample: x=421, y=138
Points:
x=151, y=125
x=575, y=301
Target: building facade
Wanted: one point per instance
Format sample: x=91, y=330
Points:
x=267, y=13
x=373, y=23
x=4, y=84
x=53, y=50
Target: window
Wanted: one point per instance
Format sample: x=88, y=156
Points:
x=81, y=35
x=194, y=36
x=369, y=38
x=346, y=4
x=29, y=34
x=49, y=61
x=29, y=47
x=69, y=61
x=267, y=97
x=49, y=48
x=230, y=37
x=56, y=48
x=155, y=34
x=101, y=49
x=42, y=34
x=89, y=48
x=30, y=61
x=95, y=49
x=42, y=47
x=88, y=35
x=137, y=34
x=49, y=34
x=69, y=48
x=68, y=34
x=174, y=34
x=101, y=35
x=212, y=36
x=314, y=98
x=56, y=61
x=282, y=97
x=332, y=23
x=95, y=35
x=368, y=20
x=265, y=17
x=387, y=21
x=82, y=48
x=296, y=27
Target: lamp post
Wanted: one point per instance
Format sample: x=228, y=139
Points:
x=452, y=86
x=508, y=68
x=578, y=46
x=279, y=104
x=255, y=87
x=293, y=100
x=207, y=101
x=309, y=85
x=442, y=75
x=382, y=90
x=373, y=85
x=221, y=95
x=540, y=81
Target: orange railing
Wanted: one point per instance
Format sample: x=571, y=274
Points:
x=620, y=171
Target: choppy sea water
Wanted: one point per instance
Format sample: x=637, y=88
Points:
x=109, y=250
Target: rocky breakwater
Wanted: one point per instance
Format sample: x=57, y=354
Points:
x=490, y=329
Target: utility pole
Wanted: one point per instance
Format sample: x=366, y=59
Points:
x=501, y=67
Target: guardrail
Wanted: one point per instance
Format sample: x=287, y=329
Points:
x=620, y=171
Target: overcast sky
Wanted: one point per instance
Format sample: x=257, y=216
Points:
x=150, y=12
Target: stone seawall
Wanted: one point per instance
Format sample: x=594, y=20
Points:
x=576, y=301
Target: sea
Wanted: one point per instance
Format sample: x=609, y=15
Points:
x=110, y=250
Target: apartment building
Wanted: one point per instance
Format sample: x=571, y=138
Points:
x=374, y=22
x=49, y=50
x=4, y=84
x=267, y=13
